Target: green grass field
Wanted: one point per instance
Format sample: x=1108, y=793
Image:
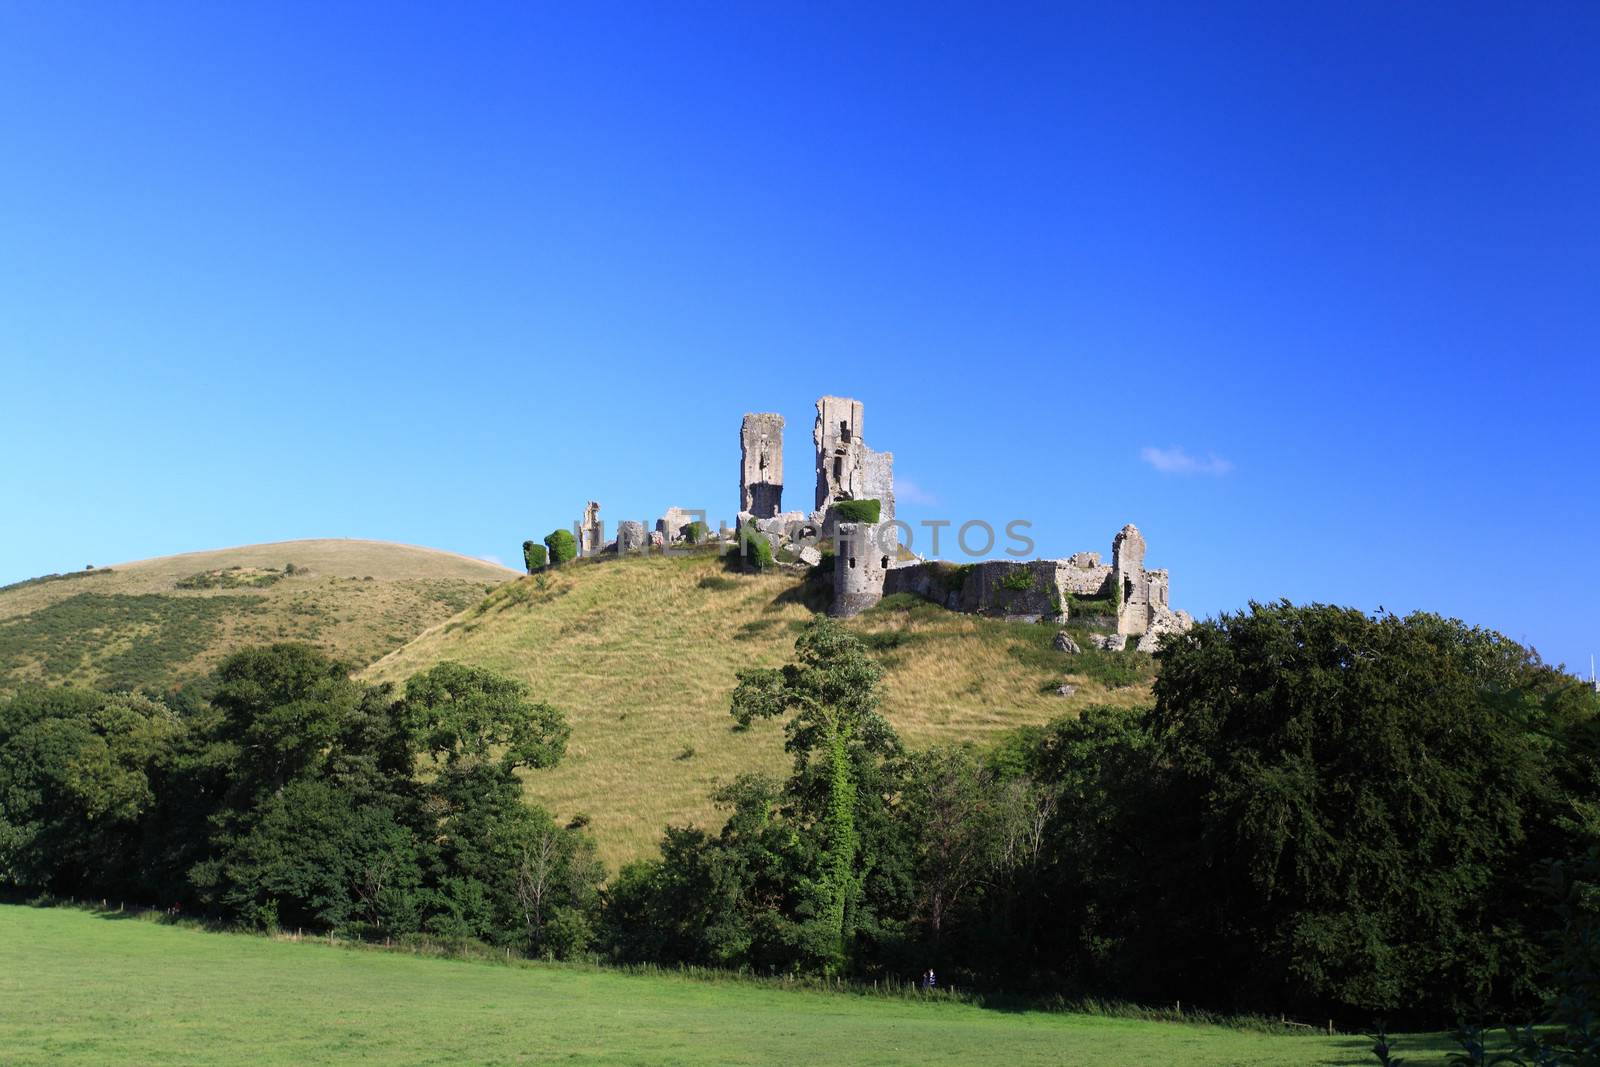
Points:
x=83, y=988
x=640, y=654
x=164, y=622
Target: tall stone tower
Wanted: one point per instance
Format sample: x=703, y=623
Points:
x=761, y=465
x=1128, y=574
x=846, y=468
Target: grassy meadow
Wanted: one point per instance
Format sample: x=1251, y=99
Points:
x=83, y=988
x=164, y=622
x=640, y=654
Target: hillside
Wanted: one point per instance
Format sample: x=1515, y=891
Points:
x=164, y=622
x=640, y=654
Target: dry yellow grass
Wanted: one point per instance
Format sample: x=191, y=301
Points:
x=641, y=654
x=132, y=625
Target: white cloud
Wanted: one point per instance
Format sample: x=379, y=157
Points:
x=907, y=491
x=1177, y=460
x=496, y=560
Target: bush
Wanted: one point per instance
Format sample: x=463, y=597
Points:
x=1018, y=580
x=756, y=548
x=563, y=547
x=857, y=510
x=696, y=532
x=534, y=556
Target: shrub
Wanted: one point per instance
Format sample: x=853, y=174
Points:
x=756, y=548
x=1018, y=580
x=857, y=510
x=563, y=547
x=696, y=532
x=535, y=556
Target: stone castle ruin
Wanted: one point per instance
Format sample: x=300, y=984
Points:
x=1123, y=597
x=761, y=465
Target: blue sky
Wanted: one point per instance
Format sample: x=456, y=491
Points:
x=1313, y=297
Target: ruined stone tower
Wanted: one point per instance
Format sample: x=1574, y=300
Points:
x=761, y=465
x=859, y=567
x=846, y=468
x=1127, y=572
x=591, y=532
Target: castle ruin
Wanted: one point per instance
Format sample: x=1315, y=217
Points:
x=1122, y=597
x=761, y=465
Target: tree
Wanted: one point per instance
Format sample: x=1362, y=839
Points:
x=956, y=805
x=534, y=556
x=563, y=547
x=1355, y=804
x=471, y=714
x=76, y=780
x=830, y=696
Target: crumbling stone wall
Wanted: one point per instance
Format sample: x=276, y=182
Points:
x=673, y=525
x=761, y=464
x=846, y=468
x=631, y=537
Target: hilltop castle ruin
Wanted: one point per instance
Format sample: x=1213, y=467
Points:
x=854, y=518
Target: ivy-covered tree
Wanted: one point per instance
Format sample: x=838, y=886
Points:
x=829, y=698
x=534, y=556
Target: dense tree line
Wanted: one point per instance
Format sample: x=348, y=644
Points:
x=293, y=797
x=1324, y=813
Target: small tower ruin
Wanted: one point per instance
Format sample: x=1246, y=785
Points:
x=591, y=532
x=761, y=465
x=860, y=565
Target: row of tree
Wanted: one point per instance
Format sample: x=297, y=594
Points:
x=1324, y=813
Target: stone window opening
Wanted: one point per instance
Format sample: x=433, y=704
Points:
x=844, y=430
x=1127, y=590
x=838, y=468
x=885, y=563
x=852, y=562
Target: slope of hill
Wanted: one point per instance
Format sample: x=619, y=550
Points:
x=164, y=622
x=641, y=653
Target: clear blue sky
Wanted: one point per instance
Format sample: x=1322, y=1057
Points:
x=438, y=273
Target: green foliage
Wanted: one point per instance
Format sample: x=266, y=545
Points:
x=562, y=545
x=1082, y=606
x=64, y=636
x=696, y=532
x=87, y=572
x=477, y=715
x=836, y=735
x=755, y=548
x=293, y=798
x=1353, y=785
x=76, y=774
x=234, y=578
x=534, y=556
x=1019, y=580
x=857, y=510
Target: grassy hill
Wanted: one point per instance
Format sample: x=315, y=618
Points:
x=164, y=622
x=640, y=654
x=81, y=988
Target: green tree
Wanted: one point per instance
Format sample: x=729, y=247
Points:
x=563, y=547
x=76, y=780
x=472, y=714
x=534, y=556
x=830, y=698
x=1355, y=803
